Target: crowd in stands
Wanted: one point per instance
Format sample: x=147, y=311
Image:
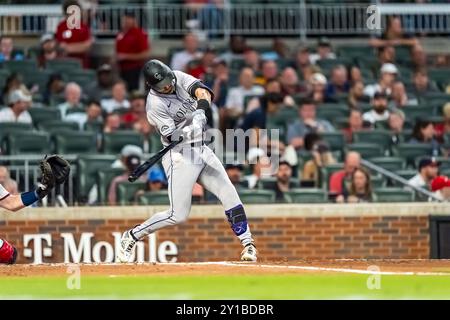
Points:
x=312, y=94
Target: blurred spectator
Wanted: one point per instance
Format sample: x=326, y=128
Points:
x=54, y=90
x=388, y=73
x=283, y=175
x=338, y=83
x=132, y=50
x=203, y=66
x=74, y=42
x=379, y=111
x=309, y=71
x=211, y=17
x=418, y=58
x=236, y=95
x=423, y=132
x=356, y=95
x=321, y=157
x=386, y=54
x=399, y=97
x=101, y=88
x=301, y=59
x=48, y=50
x=354, y=75
x=443, y=128
x=290, y=85
x=428, y=170
x=324, y=51
x=422, y=84
x=118, y=100
x=13, y=82
x=318, y=84
x=394, y=35
x=340, y=180
x=156, y=179
x=269, y=70
x=279, y=50
x=441, y=187
x=234, y=172
x=17, y=110
x=355, y=124
x=259, y=164
x=93, y=114
x=112, y=123
x=191, y=52
x=7, y=50
x=306, y=123
x=360, y=188
x=136, y=112
x=252, y=59
x=273, y=94
x=396, y=122
x=130, y=158
x=5, y=180
x=236, y=50
x=219, y=82
x=72, y=95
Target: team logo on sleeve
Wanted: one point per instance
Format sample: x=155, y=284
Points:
x=164, y=129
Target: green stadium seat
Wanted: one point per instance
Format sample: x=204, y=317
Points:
x=155, y=143
x=28, y=142
x=417, y=112
x=380, y=137
x=340, y=123
x=256, y=196
x=377, y=181
x=63, y=65
x=327, y=171
x=389, y=163
x=74, y=142
x=285, y=115
x=87, y=168
x=126, y=192
x=405, y=174
x=96, y=127
x=57, y=125
x=335, y=140
x=23, y=67
x=154, y=198
x=10, y=127
x=411, y=151
x=44, y=114
x=39, y=78
x=115, y=141
x=394, y=195
x=83, y=77
x=367, y=150
x=306, y=195
x=104, y=178
x=331, y=111
x=237, y=64
x=270, y=183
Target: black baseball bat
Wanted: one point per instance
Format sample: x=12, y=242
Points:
x=150, y=162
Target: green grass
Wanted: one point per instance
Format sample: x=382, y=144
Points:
x=304, y=286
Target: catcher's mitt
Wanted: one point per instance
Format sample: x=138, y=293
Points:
x=60, y=168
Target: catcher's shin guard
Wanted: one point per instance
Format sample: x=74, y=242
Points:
x=8, y=253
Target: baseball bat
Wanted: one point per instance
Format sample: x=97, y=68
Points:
x=139, y=171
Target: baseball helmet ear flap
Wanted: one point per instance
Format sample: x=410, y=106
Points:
x=158, y=75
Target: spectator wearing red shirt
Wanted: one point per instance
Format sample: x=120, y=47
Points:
x=136, y=112
x=339, y=179
x=74, y=42
x=132, y=50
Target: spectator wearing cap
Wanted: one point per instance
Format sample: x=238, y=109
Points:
x=339, y=83
x=306, y=123
x=423, y=132
x=341, y=180
x=118, y=100
x=17, y=110
x=130, y=159
x=7, y=52
x=399, y=97
x=72, y=96
x=74, y=42
x=396, y=123
x=48, y=50
x=13, y=82
x=132, y=50
x=324, y=51
x=422, y=84
x=101, y=88
x=318, y=85
x=428, y=170
x=156, y=179
x=388, y=74
x=379, y=111
x=321, y=157
x=394, y=35
x=92, y=114
x=441, y=188
x=190, y=52
x=202, y=67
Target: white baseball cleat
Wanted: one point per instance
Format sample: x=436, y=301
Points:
x=249, y=253
x=127, y=244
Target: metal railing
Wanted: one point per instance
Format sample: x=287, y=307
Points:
x=253, y=19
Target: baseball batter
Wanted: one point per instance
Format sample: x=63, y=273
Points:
x=176, y=106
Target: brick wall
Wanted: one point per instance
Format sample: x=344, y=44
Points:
x=277, y=237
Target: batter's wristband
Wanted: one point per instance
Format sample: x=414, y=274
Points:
x=203, y=104
x=29, y=197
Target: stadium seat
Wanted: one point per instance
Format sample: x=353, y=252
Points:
x=306, y=195
x=417, y=112
x=87, y=167
x=411, y=151
x=389, y=163
x=381, y=137
x=377, y=181
x=256, y=196
x=126, y=192
x=155, y=143
x=154, y=198
x=63, y=65
x=327, y=171
x=74, y=142
x=39, y=115
x=23, y=67
x=28, y=142
x=270, y=183
x=367, y=150
x=10, y=127
x=57, y=125
x=330, y=111
x=81, y=76
x=115, y=141
x=96, y=127
x=104, y=178
x=335, y=140
x=394, y=195
x=38, y=78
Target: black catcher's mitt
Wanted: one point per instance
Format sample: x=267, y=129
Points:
x=60, y=168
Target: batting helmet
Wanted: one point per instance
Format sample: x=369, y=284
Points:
x=158, y=76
